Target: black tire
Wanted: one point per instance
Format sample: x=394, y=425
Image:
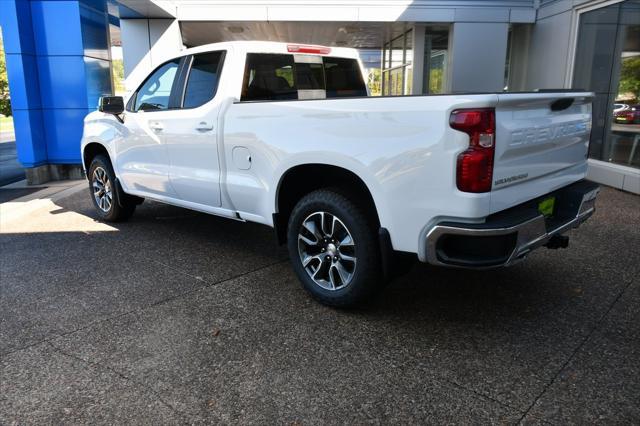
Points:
x=118, y=210
x=366, y=275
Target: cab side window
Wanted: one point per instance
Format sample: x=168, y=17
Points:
x=155, y=92
x=268, y=77
x=202, y=83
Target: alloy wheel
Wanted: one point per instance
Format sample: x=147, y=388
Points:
x=327, y=250
x=102, y=189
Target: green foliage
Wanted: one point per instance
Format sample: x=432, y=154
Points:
x=435, y=80
x=374, y=81
x=118, y=76
x=630, y=77
x=286, y=73
x=5, y=100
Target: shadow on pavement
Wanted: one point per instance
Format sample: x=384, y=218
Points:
x=205, y=315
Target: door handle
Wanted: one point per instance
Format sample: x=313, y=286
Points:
x=203, y=126
x=156, y=126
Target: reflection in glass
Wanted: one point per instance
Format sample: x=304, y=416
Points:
x=436, y=49
x=607, y=62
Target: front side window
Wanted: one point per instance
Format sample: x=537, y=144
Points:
x=155, y=92
x=203, y=79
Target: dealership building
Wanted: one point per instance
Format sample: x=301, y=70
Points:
x=62, y=55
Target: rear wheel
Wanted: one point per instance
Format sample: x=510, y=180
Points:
x=333, y=249
x=104, y=195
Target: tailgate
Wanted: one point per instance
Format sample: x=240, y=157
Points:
x=542, y=140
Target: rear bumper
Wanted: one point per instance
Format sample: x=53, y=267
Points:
x=508, y=236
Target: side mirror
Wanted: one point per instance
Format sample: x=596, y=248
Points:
x=111, y=105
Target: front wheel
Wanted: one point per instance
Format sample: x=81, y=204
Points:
x=102, y=183
x=333, y=249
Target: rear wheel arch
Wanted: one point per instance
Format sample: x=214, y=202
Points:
x=303, y=179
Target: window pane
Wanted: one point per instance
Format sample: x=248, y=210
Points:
x=343, y=78
x=154, y=93
x=408, y=79
x=436, y=46
x=408, y=54
x=310, y=76
x=397, y=46
x=395, y=85
x=607, y=62
x=203, y=79
x=268, y=77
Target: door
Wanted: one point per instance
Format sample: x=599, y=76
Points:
x=142, y=160
x=190, y=132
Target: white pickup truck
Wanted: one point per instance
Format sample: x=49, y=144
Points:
x=285, y=135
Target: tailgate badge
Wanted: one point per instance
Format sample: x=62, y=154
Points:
x=511, y=179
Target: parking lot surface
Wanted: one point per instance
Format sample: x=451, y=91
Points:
x=178, y=317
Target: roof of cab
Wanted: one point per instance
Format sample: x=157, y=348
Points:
x=270, y=47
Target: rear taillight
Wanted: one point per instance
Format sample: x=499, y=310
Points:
x=474, y=172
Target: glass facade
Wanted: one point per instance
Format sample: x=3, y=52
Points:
x=607, y=62
x=436, y=60
x=397, y=60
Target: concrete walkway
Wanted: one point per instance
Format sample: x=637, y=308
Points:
x=179, y=317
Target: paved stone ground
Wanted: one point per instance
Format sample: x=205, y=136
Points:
x=179, y=317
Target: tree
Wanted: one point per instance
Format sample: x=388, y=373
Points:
x=5, y=100
x=630, y=77
x=374, y=82
x=118, y=76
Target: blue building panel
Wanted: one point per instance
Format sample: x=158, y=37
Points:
x=98, y=5
x=62, y=81
x=22, y=71
x=56, y=27
x=30, y=137
x=17, y=32
x=98, y=80
x=64, y=132
x=58, y=64
x=95, y=40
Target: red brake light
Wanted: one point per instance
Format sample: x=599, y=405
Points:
x=302, y=48
x=474, y=171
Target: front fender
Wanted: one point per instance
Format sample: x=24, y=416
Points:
x=102, y=129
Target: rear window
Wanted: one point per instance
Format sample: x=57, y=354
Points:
x=343, y=78
x=268, y=78
x=272, y=77
x=203, y=79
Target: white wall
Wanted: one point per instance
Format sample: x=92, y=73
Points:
x=548, y=57
x=478, y=55
x=146, y=44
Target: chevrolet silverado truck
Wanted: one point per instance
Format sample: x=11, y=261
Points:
x=285, y=135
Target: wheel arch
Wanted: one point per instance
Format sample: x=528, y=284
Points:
x=301, y=179
x=91, y=150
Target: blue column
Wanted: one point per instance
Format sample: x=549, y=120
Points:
x=58, y=65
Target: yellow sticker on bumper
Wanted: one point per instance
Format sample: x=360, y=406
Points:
x=546, y=206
